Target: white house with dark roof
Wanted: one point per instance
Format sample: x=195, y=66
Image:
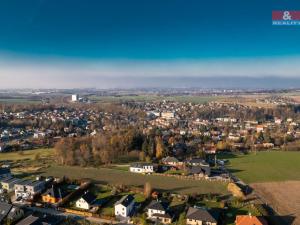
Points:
x=125, y=206
x=141, y=168
x=86, y=201
x=159, y=212
x=172, y=161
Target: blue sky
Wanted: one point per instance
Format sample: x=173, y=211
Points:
x=136, y=38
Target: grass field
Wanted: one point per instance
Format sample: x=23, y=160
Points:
x=113, y=176
x=184, y=98
x=26, y=163
x=19, y=101
x=266, y=166
x=26, y=155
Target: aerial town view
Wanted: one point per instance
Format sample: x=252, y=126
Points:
x=180, y=112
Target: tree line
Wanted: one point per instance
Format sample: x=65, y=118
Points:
x=107, y=147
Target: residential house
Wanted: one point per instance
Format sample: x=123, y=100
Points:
x=259, y=128
x=4, y=210
x=198, y=167
x=159, y=212
x=200, y=171
x=20, y=188
x=39, y=134
x=142, y=168
x=15, y=214
x=197, y=162
x=41, y=219
x=197, y=216
x=10, y=213
x=86, y=201
x=125, y=206
x=172, y=161
x=268, y=145
x=9, y=183
x=28, y=188
x=53, y=195
x=250, y=220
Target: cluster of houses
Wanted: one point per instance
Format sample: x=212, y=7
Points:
x=52, y=192
x=195, y=122
x=46, y=123
x=11, y=214
x=173, y=118
x=159, y=212
x=193, y=166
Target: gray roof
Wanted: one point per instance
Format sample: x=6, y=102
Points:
x=35, y=183
x=163, y=206
x=30, y=182
x=29, y=220
x=200, y=215
x=199, y=169
x=125, y=200
x=23, y=182
x=40, y=220
x=141, y=165
x=10, y=180
x=198, y=161
x=13, y=212
x=169, y=159
x=4, y=210
x=166, y=215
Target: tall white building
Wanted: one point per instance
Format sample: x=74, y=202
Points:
x=75, y=98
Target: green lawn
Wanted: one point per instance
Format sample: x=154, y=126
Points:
x=117, y=177
x=265, y=166
x=28, y=154
x=19, y=101
x=183, y=98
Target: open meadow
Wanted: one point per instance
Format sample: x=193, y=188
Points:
x=147, y=98
x=265, y=166
x=27, y=155
x=19, y=101
x=42, y=161
x=28, y=163
x=117, y=177
x=275, y=176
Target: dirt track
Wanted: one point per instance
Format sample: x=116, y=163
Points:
x=284, y=197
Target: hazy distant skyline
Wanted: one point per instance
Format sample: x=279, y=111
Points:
x=139, y=43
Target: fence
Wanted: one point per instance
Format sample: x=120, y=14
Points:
x=77, y=212
x=192, y=177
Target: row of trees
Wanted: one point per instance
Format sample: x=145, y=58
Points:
x=107, y=147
